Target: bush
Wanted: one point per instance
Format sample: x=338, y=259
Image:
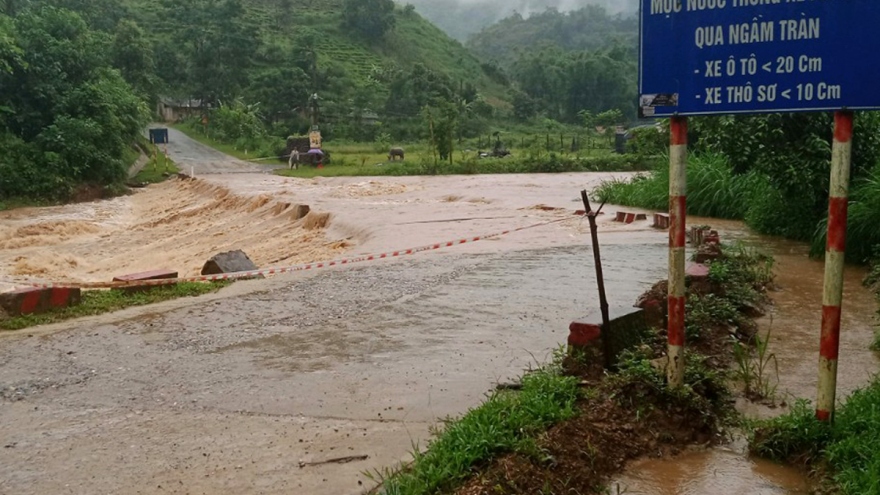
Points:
x=863, y=235
x=649, y=141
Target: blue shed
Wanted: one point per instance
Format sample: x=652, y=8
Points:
x=159, y=136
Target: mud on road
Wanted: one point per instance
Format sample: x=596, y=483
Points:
x=295, y=384
x=301, y=383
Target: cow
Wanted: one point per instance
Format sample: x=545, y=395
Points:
x=395, y=153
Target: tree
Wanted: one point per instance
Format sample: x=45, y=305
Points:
x=66, y=116
x=372, y=19
x=217, y=45
x=610, y=118
x=133, y=56
x=280, y=91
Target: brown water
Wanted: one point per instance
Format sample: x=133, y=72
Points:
x=795, y=323
x=718, y=471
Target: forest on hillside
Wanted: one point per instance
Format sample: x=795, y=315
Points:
x=73, y=70
x=462, y=19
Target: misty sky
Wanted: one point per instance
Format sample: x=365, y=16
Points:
x=463, y=18
x=504, y=7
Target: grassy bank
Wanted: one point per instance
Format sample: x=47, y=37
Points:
x=370, y=159
x=98, y=302
x=845, y=456
x=549, y=164
x=157, y=170
x=714, y=190
x=571, y=426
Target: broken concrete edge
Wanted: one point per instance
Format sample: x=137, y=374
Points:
x=230, y=262
x=627, y=325
x=629, y=217
x=37, y=300
x=161, y=274
x=661, y=221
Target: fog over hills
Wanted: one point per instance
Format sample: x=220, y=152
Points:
x=463, y=18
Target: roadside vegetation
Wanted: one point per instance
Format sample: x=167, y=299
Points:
x=383, y=76
x=568, y=427
x=158, y=169
x=96, y=302
x=772, y=172
x=872, y=281
x=845, y=455
x=68, y=119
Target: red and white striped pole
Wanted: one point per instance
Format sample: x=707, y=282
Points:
x=677, y=239
x=829, y=347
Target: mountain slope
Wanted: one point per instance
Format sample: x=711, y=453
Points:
x=587, y=29
x=267, y=36
x=462, y=19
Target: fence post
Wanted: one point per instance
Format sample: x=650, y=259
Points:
x=677, y=240
x=829, y=349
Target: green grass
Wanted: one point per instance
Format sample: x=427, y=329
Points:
x=507, y=422
x=550, y=164
x=713, y=190
x=105, y=301
x=13, y=203
x=848, y=450
x=158, y=169
x=862, y=234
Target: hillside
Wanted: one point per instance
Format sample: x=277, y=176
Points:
x=586, y=29
x=222, y=49
x=412, y=40
x=462, y=19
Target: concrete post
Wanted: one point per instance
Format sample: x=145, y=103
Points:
x=677, y=240
x=829, y=348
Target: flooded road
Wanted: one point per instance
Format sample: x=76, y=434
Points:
x=264, y=386
x=795, y=321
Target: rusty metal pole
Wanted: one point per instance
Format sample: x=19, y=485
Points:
x=677, y=239
x=600, y=278
x=841, y=161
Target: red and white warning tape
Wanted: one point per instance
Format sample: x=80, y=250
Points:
x=282, y=270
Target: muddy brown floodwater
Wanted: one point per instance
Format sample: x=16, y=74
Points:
x=302, y=383
x=795, y=321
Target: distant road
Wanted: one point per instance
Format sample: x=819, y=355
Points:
x=191, y=155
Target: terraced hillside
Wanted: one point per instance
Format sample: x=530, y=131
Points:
x=413, y=40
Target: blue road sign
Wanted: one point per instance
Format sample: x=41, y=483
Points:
x=704, y=57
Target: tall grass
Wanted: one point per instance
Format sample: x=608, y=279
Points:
x=713, y=189
x=863, y=229
x=850, y=447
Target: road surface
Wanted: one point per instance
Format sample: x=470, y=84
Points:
x=296, y=384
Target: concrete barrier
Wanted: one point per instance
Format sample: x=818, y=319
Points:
x=150, y=275
x=231, y=262
x=629, y=217
x=661, y=221
x=627, y=326
x=36, y=300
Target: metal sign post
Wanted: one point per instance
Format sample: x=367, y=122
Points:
x=677, y=239
x=841, y=159
x=722, y=57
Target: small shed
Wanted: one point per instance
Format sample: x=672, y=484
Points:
x=173, y=110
